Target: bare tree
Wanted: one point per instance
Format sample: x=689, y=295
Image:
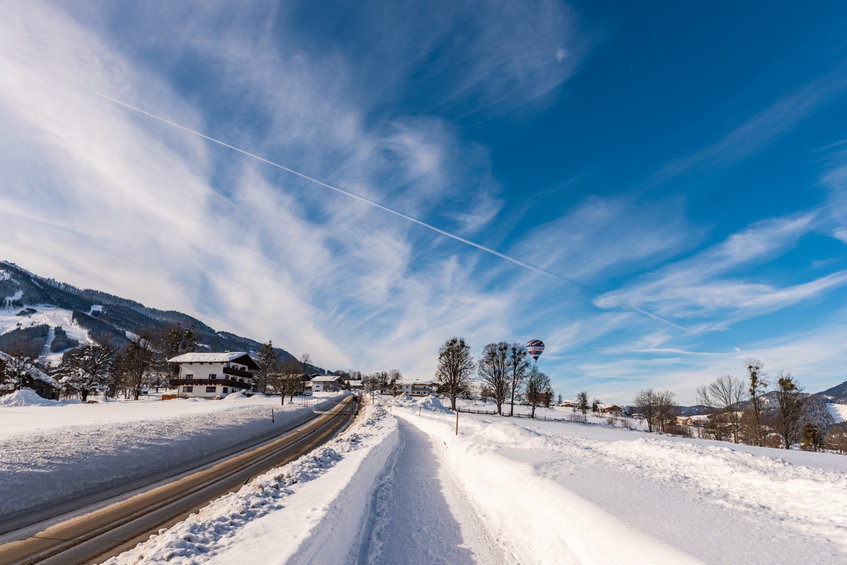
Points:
x=582, y=402
x=757, y=386
x=394, y=377
x=494, y=371
x=723, y=398
x=646, y=403
x=518, y=367
x=537, y=388
x=790, y=401
x=87, y=369
x=132, y=364
x=455, y=367
x=666, y=409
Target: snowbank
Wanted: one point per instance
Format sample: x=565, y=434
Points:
x=25, y=397
x=308, y=511
x=567, y=492
x=53, y=453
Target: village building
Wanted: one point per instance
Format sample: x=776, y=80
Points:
x=327, y=383
x=356, y=384
x=213, y=375
x=43, y=385
x=415, y=387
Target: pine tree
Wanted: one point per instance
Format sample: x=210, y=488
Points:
x=812, y=438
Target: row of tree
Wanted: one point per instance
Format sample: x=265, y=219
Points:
x=504, y=370
x=749, y=410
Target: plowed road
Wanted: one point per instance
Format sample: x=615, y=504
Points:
x=106, y=531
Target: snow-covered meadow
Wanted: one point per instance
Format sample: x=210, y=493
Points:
x=402, y=487
x=56, y=451
x=399, y=486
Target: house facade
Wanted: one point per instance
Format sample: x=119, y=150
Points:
x=327, y=383
x=213, y=375
x=419, y=387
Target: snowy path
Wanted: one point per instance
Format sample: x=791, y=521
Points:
x=419, y=514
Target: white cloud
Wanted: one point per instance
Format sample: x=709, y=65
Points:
x=696, y=287
x=603, y=234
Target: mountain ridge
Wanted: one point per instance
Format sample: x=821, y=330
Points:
x=106, y=316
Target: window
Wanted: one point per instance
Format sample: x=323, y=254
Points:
x=188, y=389
x=211, y=389
x=226, y=390
x=189, y=376
x=213, y=376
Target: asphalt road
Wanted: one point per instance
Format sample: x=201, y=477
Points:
x=101, y=533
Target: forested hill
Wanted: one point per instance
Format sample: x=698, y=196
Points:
x=103, y=316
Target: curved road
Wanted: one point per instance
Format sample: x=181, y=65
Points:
x=107, y=531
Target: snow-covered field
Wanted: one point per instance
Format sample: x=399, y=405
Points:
x=53, y=451
x=403, y=488
x=400, y=486
x=838, y=412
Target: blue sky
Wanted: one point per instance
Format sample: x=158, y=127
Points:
x=670, y=177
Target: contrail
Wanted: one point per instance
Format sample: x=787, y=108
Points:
x=382, y=207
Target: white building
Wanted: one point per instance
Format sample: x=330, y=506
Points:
x=416, y=387
x=213, y=375
x=327, y=383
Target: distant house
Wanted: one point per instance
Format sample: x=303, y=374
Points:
x=613, y=410
x=415, y=387
x=327, y=383
x=356, y=384
x=43, y=384
x=212, y=375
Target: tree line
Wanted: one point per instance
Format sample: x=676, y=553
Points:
x=504, y=371
x=752, y=410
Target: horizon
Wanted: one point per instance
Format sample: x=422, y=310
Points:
x=656, y=192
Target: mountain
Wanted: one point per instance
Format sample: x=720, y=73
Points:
x=837, y=394
x=45, y=317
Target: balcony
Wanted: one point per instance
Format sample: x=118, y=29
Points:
x=208, y=382
x=237, y=372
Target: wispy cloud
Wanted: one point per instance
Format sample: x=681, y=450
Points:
x=763, y=129
x=708, y=283
x=604, y=234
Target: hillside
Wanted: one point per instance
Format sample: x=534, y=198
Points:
x=45, y=317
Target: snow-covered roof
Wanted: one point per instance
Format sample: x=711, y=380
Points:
x=33, y=372
x=326, y=378
x=425, y=382
x=228, y=357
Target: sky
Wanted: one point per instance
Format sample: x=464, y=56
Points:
x=657, y=190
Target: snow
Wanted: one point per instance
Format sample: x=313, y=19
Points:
x=53, y=451
x=401, y=487
x=17, y=296
x=837, y=411
x=569, y=492
x=307, y=511
x=5, y=275
x=209, y=357
x=49, y=315
x=95, y=308
x=25, y=397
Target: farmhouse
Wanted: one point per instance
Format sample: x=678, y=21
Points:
x=213, y=375
x=411, y=387
x=327, y=383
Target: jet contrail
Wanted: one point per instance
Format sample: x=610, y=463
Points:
x=375, y=204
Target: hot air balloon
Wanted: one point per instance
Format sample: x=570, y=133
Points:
x=535, y=347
